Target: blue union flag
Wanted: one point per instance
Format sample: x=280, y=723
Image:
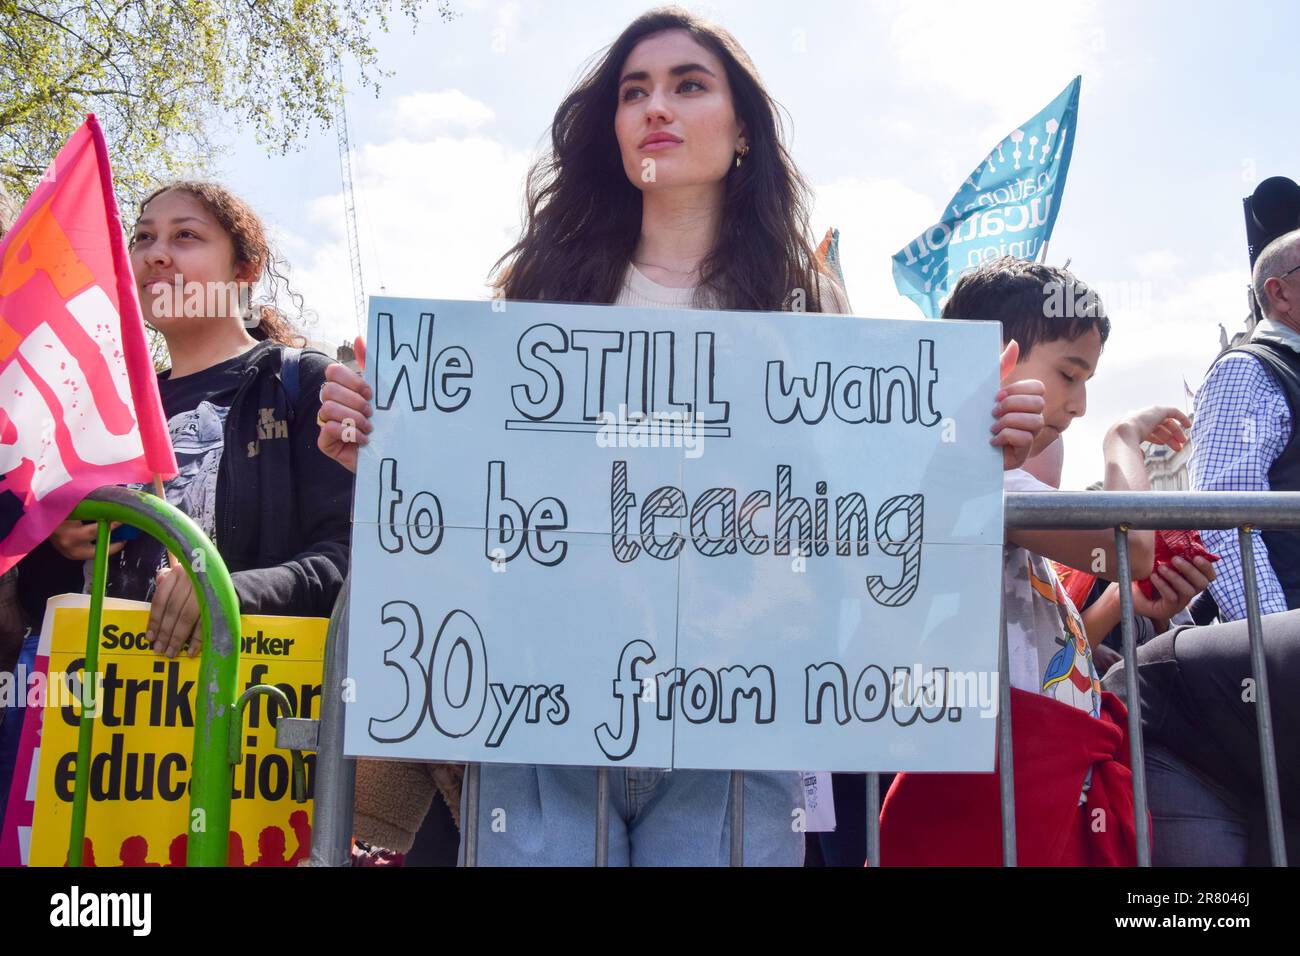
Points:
x=1006, y=206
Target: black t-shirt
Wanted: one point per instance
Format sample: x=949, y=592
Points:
x=196, y=406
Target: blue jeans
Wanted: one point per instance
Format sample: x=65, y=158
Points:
x=1201, y=725
x=546, y=816
x=1194, y=822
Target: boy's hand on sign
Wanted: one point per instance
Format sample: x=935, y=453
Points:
x=1018, y=412
x=174, y=614
x=75, y=540
x=345, y=411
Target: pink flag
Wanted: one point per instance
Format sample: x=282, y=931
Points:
x=79, y=406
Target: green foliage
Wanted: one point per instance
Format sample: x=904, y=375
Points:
x=164, y=76
x=158, y=353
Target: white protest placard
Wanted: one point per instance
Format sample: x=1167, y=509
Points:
x=589, y=535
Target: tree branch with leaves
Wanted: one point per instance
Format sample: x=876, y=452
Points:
x=163, y=75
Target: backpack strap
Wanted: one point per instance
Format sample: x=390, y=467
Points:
x=289, y=361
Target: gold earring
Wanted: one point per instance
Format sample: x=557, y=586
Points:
x=741, y=154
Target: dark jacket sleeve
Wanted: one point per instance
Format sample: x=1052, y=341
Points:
x=42, y=574
x=309, y=583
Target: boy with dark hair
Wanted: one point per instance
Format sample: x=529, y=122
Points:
x=1034, y=302
x=1061, y=327
x=1067, y=764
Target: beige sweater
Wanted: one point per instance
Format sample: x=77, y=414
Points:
x=392, y=796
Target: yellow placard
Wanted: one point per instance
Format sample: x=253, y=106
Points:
x=138, y=811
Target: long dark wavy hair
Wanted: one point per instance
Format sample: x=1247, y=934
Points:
x=582, y=217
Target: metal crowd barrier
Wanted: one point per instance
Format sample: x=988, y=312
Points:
x=1121, y=511
x=218, y=728
x=219, y=610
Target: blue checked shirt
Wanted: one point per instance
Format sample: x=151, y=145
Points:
x=1241, y=425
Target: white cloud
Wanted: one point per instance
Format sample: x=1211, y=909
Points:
x=505, y=28
x=426, y=112
x=867, y=212
x=1158, y=262
x=981, y=51
x=433, y=217
x=1153, y=349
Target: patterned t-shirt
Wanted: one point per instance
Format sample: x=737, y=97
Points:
x=196, y=407
x=1047, y=647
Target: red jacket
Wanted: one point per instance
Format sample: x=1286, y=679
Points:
x=949, y=819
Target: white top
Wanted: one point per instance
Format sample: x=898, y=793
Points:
x=641, y=291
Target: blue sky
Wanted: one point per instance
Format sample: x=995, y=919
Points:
x=1182, y=113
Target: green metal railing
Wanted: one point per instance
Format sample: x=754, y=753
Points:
x=218, y=713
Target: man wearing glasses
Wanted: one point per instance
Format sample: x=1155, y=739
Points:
x=1243, y=434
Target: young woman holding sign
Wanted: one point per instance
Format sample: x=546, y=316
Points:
x=241, y=399
x=668, y=186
